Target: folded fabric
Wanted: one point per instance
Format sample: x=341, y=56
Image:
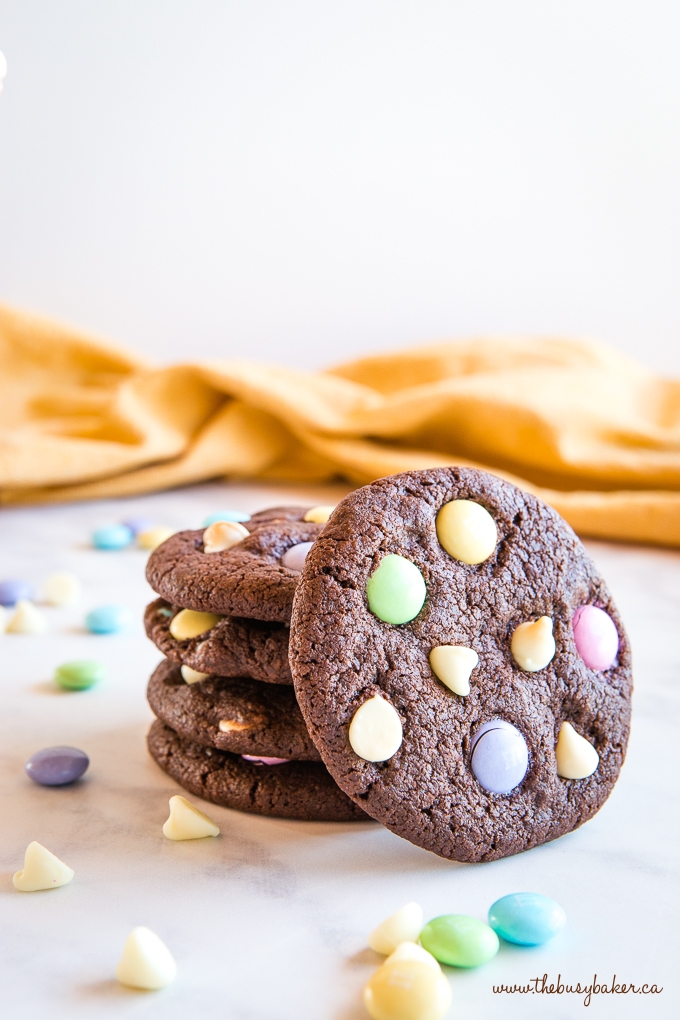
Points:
x=575, y=422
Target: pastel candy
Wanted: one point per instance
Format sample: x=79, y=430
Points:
x=404, y=925
x=27, y=619
x=138, y=524
x=61, y=589
x=396, y=591
x=459, y=941
x=112, y=536
x=222, y=535
x=318, y=514
x=375, y=733
x=596, y=637
x=407, y=989
x=467, y=531
x=527, y=919
x=107, y=619
x=236, y=516
x=533, y=644
x=500, y=757
x=154, y=537
x=41, y=870
x=187, y=822
x=258, y=759
x=576, y=757
x=79, y=674
x=412, y=951
x=189, y=623
x=294, y=558
x=14, y=590
x=146, y=962
x=453, y=664
x=57, y=766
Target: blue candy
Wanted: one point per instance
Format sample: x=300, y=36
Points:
x=107, y=619
x=526, y=918
x=13, y=590
x=112, y=536
x=138, y=524
x=57, y=766
x=226, y=515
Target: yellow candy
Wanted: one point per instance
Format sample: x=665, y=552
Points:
x=404, y=925
x=189, y=624
x=187, y=822
x=318, y=514
x=223, y=535
x=453, y=664
x=467, y=531
x=576, y=757
x=533, y=644
x=407, y=990
x=375, y=732
x=154, y=537
x=412, y=951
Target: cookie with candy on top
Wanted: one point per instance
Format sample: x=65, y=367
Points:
x=460, y=663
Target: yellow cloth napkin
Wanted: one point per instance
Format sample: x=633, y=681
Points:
x=590, y=431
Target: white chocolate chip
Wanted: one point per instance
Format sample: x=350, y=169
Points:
x=154, y=537
x=404, y=925
x=192, y=676
x=375, y=732
x=61, y=589
x=467, y=531
x=189, y=624
x=223, y=535
x=146, y=962
x=41, y=870
x=453, y=664
x=412, y=951
x=26, y=619
x=533, y=644
x=187, y=822
x=407, y=989
x=576, y=757
x=318, y=514
x=233, y=726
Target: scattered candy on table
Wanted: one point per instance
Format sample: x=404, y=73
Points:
x=138, y=524
x=112, y=536
x=459, y=941
x=236, y=516
x=146, y=962
x=13, y=591
x=107, y=619
x=27, y=619
x=41, y=870
x=79, y=674
x=61, y=589
x=408, y=986
x=596, y=637
x=404, y=925
x=187, y=822
x=57, y=766
x=527, y=919
x=154, y=537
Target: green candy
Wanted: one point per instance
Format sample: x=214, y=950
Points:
x=79, y=675
x=396, y=591
x=459, y=941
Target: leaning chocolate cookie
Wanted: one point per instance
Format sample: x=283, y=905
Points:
x=231, y=646
x=460, y=664
x=296, y=789
x=234, y=573
x=236, y=714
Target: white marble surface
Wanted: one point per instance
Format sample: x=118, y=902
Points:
x=269, y=921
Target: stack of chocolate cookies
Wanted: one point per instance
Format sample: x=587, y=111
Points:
x=439, y=653
x=228, y=726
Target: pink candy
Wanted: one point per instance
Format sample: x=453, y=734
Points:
x=257, y=759
x=596, y=636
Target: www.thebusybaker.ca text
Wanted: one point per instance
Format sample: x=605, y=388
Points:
x=544, y=986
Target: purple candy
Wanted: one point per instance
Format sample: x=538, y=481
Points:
x=57, y=766
x=294, y=558
x=500, y=757
x=257, y=759
x=13, y=590
x=139, y=524
x=596, y=637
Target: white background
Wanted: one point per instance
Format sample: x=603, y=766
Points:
x=307, y=181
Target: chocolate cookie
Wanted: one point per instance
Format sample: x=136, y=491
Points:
x=460, y=664
x=297, y=789
x=239, y=715
x=233, y=647
x=255, y=578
